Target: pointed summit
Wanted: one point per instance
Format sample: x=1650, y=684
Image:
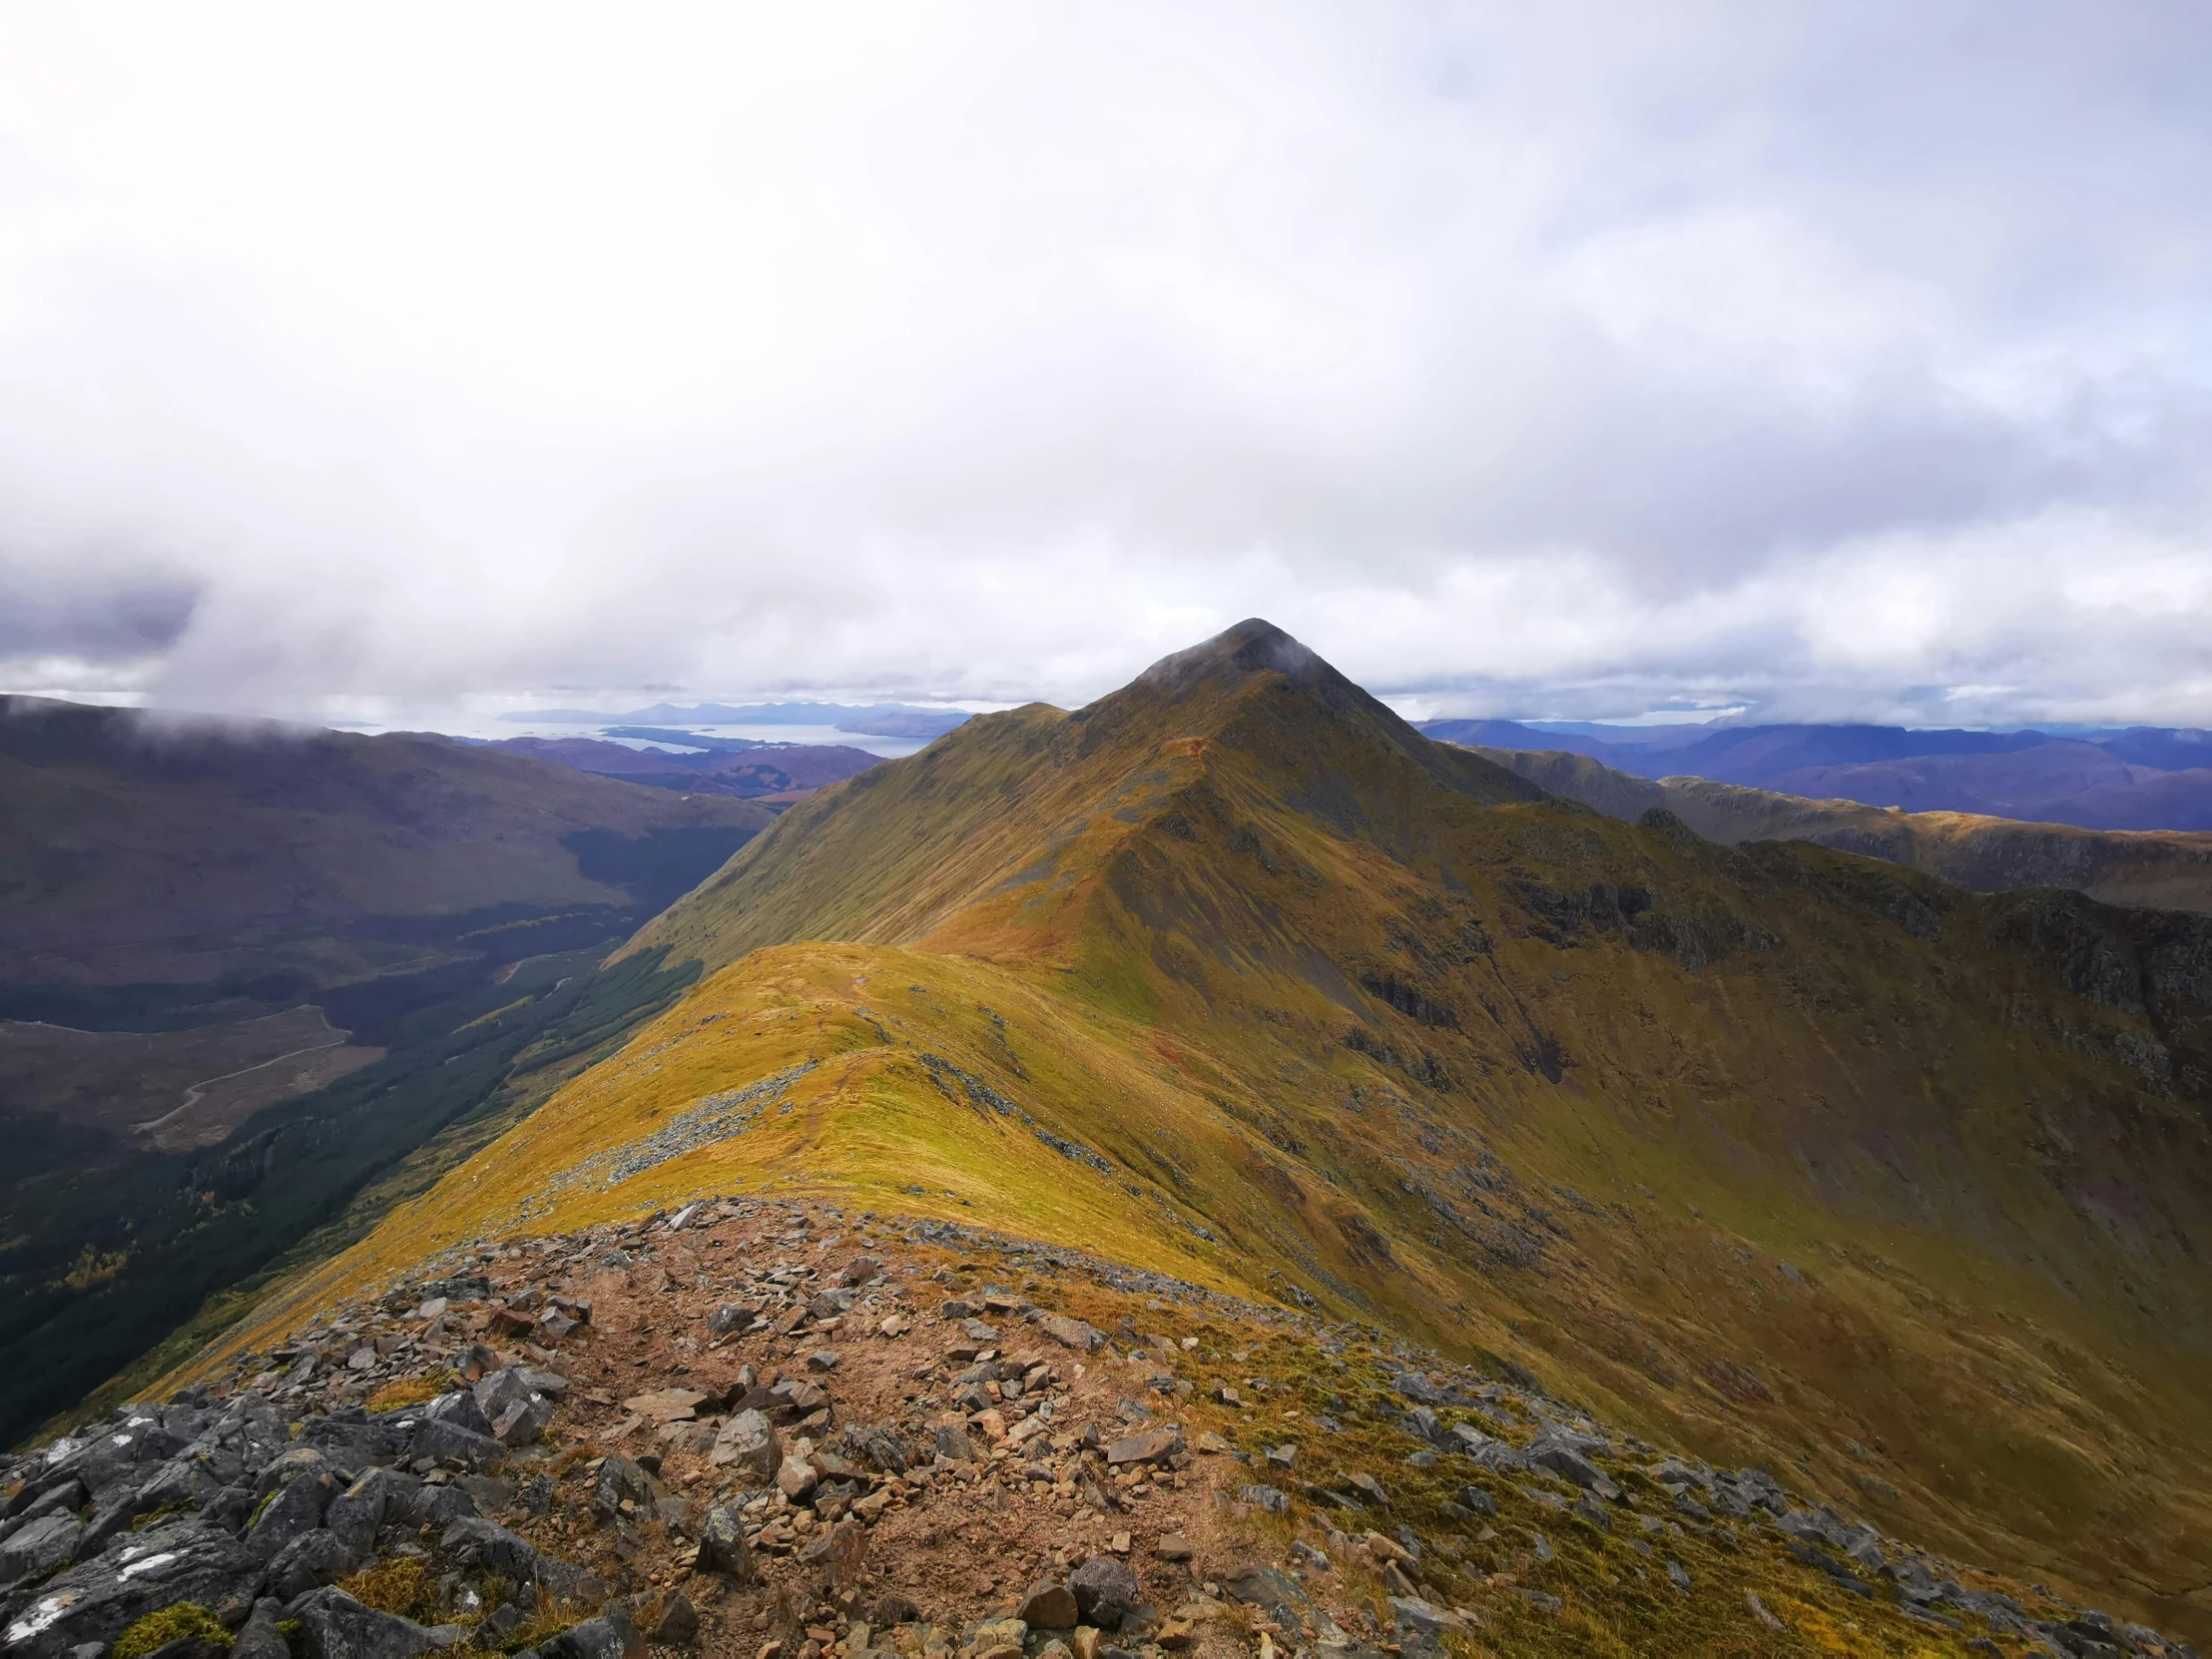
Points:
x=1253, y=646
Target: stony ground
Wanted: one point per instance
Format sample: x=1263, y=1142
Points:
x=785, y=1433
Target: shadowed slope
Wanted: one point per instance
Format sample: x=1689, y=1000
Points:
x=137, y=847
x=2153, y=869
x=1772, y=1152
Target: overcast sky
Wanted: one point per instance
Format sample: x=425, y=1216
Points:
x=1833, y=361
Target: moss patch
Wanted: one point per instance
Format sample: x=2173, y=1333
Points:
x=170, y=1624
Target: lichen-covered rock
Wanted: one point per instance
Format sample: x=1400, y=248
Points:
x=722, y=1546
x=183, y=1559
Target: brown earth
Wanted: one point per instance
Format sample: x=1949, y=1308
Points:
x=1157, y=1453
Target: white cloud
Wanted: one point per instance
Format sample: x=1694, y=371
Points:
x=1848, y=362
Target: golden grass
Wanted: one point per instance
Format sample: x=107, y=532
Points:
x=173, y=1623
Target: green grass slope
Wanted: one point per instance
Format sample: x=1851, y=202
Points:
x=1772, y=1152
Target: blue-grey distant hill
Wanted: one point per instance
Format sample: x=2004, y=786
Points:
x=2137, y=777
x=871, y=720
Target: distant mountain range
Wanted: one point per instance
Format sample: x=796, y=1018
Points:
x=872, y=720
x=738, y=767
x=2138, y=778
x=2158, y=869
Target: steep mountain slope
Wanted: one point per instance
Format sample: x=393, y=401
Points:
x=245, y=970
x=1772, y=1152
x=2149, y=869
x=136, y=847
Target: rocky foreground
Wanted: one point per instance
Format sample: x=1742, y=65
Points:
x=786, y=1433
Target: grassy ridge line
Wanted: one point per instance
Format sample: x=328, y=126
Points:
x=2150, y=869
x=869, y=1124
x=1817, y=1164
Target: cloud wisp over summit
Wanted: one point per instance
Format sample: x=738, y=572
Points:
x=1842, y=363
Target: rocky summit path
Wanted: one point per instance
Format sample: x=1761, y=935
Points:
x=781, y=1431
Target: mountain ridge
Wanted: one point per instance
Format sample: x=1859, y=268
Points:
x=1774, y=1151
x=2154, y=870
x=2139, y=778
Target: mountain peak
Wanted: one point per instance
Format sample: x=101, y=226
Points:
x=1253, y=646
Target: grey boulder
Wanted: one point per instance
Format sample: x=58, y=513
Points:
x=309, y=1563
x=749, y=1441
x=37, y=1545
x=333, y=1625
x=1105, y=1590
x=184, y=1560
x=610, y=1636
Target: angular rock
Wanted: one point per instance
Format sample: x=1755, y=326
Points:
x=289, y=1465
x=1105, y=1590
x=1272, y=1590
x=621, y=1481
x=611, y=1635
x=438, y=1440
x=184, y=1560
x=333, y=1625
x=878, y=1448
x=1465, y=1440
x=355, y=1514
x=1417, y=1388
x=1369, y=1488
x=1048, y=1607
x=1152, y=1446
x=39, y=1545
x=666, y=1405
x=669, y=1619
x=1417, y=1627
x=838, y=1554
x=749, y=1443
x=437, y=1506
x=352, y=1437
x=307, y=1562
x=1569, y=1465
x=722, y=1547
x=797, y=1396
x=1072, y=1333
x=295, y=1508
x=459, y=1409
x=258, y=1637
